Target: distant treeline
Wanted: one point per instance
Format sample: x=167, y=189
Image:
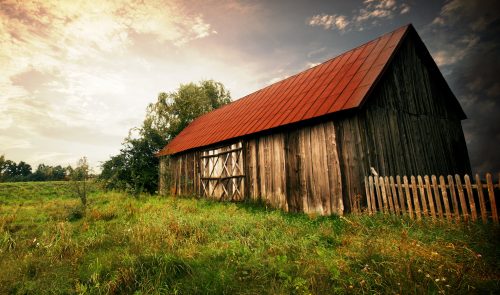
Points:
x=11, y=171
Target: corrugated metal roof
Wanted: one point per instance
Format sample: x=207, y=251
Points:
x=338, y=84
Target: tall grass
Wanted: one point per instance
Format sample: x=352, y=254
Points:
x=153, y=245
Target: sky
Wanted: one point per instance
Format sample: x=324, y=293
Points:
x=76, y=76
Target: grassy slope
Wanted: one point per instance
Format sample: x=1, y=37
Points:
x=186, y=246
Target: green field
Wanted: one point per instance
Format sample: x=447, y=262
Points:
x=148, y=245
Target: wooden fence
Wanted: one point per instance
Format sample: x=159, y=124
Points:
x=440, y=198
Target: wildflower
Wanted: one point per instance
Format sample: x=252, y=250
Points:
x=443, y=279
x=427, y=275
x=479, y=256
x=437, y=280
x=448, y=286
x=419, y=270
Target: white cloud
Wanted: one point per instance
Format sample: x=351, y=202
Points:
x=327, y=21
x=405, y=8
x=371, y=11
x=312, y=64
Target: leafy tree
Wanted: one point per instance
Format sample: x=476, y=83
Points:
x=23, y=169
x=136, y=167
x=10, y=169
x=2, y=164
x=79, y=177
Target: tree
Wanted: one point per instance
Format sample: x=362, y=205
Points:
x=136, y=167
x=2, y=165
x=23, y=169
x=79, y=179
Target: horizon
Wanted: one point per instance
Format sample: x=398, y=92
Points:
x=77, y=77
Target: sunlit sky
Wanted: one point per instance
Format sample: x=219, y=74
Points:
x=75, y=76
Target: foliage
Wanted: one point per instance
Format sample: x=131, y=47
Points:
x=135, y=169
x=152, y=245
x=79, y=179
x=12, y=171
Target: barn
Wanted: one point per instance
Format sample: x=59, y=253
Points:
x=305, y=144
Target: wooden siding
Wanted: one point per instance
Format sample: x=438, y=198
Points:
x=296, y=170
x=409, y=125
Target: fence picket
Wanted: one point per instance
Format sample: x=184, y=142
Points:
x=400, y=194
x=451, y=186
x=429, y=196
x=470, y=195
x=379, y=196
x=394, y=195
x=368, y=200
x=436, y=195
x=415, y=197
x=389, y=194
x=491, y=194
x=372, y=195
x=482, y=204
x=440, y=199
x=463, y=204
x=421, y=188
x=384, y=196
x=408, y=200
x=445, y=197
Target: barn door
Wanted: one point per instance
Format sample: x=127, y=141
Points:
x=222, y=173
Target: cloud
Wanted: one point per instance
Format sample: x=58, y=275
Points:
x=326, y=21
x=462, y=38
x=371, y=12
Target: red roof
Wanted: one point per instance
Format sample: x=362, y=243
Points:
x=338, y=84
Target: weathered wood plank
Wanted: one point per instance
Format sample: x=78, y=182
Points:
x=379, y=194
x=368, y=199
x=415, y=197
x=491, y=195
x=461, y=196
x=384, y=196
x=482, y=204
x=421, y=188
x=451, y=186
x=437, y=197
x=394, y=195
x=372, y=195
x=470, y=196
x=389, y=194
x=444, y=195
x=400, y=194
x=408, y=198
x=429, y=197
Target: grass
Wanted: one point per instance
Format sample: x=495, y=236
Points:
x=151, y=245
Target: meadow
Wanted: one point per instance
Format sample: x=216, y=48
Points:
x=118, y=244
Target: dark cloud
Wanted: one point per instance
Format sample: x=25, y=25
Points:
x=463, y=39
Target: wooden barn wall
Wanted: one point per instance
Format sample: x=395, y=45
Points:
x=408, y=126
x=179, y=174
x=296, y=170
